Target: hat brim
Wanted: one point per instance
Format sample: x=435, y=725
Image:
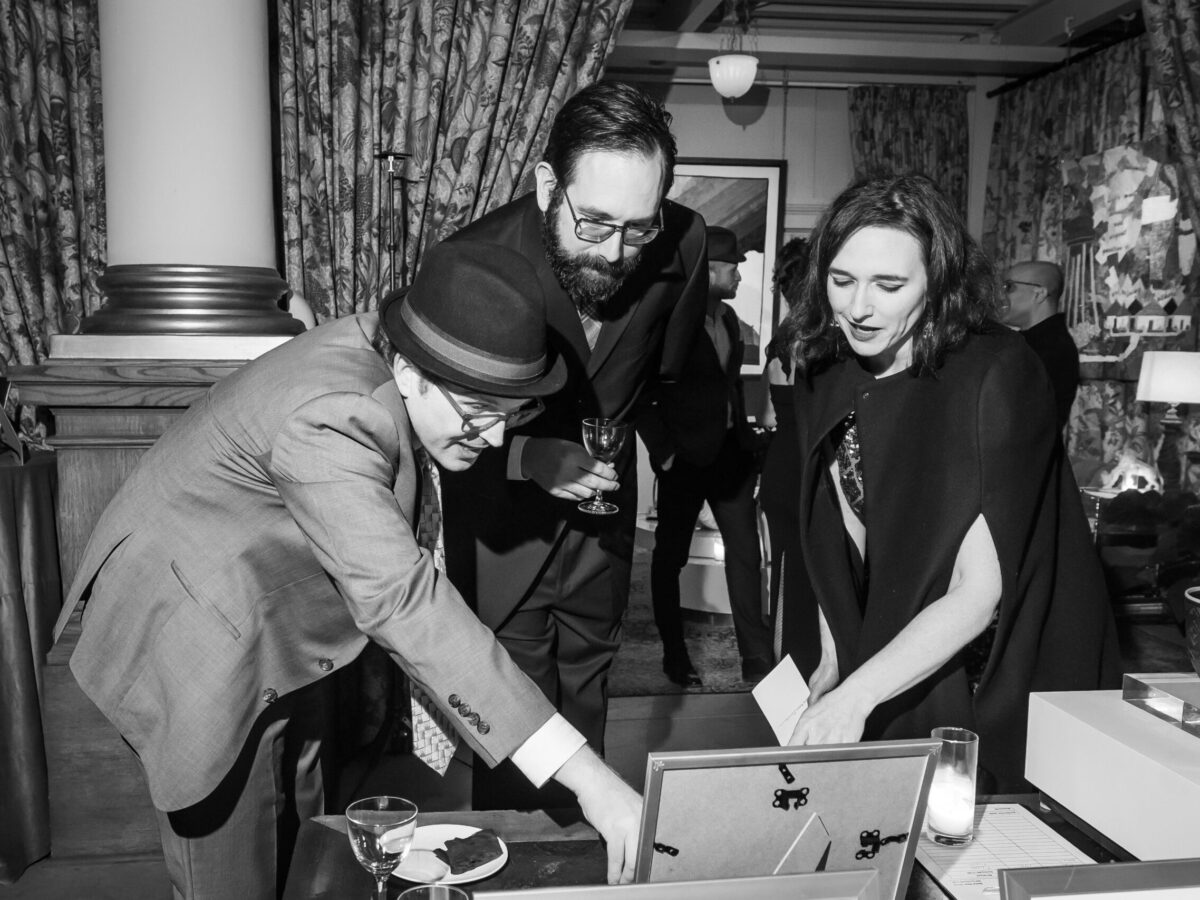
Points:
x=552, y=380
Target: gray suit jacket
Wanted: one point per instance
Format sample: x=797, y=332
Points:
x=257, y=546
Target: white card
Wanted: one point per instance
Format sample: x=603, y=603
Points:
x=782, y=696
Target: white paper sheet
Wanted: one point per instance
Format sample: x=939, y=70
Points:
x=1007, y=836
x=782, y=696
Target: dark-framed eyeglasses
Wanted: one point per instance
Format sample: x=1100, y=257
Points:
x=1010, y=284
x=596, y=232
x=475, y=424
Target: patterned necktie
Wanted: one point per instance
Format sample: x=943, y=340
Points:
x=434, y=738
x=591, y=324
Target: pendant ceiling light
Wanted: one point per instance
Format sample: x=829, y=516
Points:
x=732, y=72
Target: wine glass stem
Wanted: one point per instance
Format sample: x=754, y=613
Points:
x=381, y=887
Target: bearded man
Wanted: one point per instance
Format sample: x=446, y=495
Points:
x=626, y=282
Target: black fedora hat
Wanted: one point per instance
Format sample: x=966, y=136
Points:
x=475, y=317
x=723, y=245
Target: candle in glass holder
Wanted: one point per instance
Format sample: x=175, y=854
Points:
x=951, y=803
x=950, y=807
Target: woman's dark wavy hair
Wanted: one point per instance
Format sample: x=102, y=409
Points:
x=787, y=279
x=961, y=289
x=609, y=115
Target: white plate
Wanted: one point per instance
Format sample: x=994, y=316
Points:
x=433, y=837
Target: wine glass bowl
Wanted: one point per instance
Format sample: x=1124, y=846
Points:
x=603, y=439
x=381, y=832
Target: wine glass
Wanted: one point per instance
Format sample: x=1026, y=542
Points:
x=381, y=832
x=603, y=439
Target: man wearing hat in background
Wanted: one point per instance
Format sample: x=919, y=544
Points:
x=702, y=448
x=273, y=531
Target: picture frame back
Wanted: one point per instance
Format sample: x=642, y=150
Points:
x=862, y=885
x=778, y=810
x=1163, y=879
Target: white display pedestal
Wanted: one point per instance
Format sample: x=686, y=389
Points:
x=1131, y=776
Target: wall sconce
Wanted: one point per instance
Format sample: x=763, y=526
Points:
x=1171, y=377
x=733, y=71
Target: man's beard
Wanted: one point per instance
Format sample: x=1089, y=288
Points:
x=590, y=281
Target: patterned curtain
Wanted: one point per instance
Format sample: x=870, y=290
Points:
x=1173, y=29
x=52, y=229
x=1092, y=106
x=1087, y=107
x=886, y=138
x=467, y=88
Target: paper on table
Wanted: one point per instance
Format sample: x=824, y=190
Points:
x=1007, y=836
x=782, y=696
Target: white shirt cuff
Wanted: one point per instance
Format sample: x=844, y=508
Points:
x=547, y=749
x=514, y=457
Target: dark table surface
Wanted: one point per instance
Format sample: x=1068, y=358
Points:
x=544, y=853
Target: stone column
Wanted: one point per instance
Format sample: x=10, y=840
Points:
x=187, y=151
x=191, y=293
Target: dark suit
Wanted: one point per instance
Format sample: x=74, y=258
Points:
x=1055, y=347
x=700, y=421
x=256, y=548
x=552, y=581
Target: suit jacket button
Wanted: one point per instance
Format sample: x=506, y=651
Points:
x=270, y=695
x=473, y=718
x=483, y=727
x=454, y=701
x=464, y=710
x=325, y=665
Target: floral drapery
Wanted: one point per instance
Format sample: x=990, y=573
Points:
x=1173, y=30
x=468, y=89
x=1082, y=113
x=1087, y=107
x=51, y=172
x=885, y=138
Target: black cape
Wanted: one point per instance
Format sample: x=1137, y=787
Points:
x=976, y=436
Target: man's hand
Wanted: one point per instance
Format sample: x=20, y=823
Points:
x=612, y=806
x=564, y=469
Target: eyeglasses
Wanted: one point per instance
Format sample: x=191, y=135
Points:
x=596, y=232
x=1008, y=284
x=475, y=424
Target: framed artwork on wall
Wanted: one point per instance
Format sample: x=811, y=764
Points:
x=747, y=197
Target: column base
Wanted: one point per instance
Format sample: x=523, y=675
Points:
x=191, y=300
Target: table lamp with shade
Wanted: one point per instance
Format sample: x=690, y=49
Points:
x=1171, y=377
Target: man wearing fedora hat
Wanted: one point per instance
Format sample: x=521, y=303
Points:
x=623, y=272
x=272, y=532
x=701, y=447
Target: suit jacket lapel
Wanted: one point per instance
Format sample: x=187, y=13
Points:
x=405, y=487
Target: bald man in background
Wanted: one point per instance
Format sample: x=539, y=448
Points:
x=1030, y=305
